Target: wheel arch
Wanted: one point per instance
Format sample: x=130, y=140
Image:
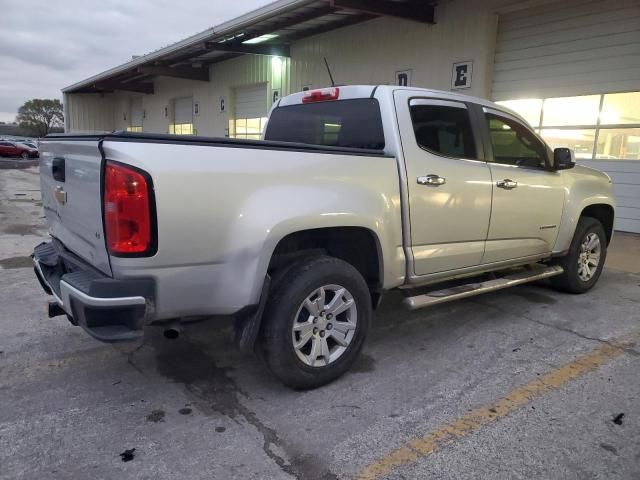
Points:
x=604, y=213
x=358, y=246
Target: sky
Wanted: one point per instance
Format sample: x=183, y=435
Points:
x=46, y=45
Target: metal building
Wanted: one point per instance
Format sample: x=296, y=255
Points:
x=571, y=67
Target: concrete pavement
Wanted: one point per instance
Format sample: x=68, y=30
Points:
x=195, y=408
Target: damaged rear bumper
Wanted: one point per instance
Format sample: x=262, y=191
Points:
x=109, y=310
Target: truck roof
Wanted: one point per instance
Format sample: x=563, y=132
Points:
x=348, y=92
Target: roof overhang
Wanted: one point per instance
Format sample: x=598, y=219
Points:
x=269, y=30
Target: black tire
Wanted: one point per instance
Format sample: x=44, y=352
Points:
x=286, y=297
x=24, y=156
x=570, y=280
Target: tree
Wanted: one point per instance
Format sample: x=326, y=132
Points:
x=39, y=116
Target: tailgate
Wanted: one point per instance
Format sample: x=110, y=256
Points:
x=70, y=179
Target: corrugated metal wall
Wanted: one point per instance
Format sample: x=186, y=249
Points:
x=108, y=112
x=568, y=48
x=87, y=113
x=626, y=184
x=372, y=52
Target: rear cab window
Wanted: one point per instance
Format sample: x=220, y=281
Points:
x=355, y=123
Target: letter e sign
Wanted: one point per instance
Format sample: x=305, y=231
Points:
x=462, y=74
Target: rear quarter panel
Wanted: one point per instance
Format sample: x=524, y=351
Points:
x=222, y=211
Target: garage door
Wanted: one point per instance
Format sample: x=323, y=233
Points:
x=137, y=115
x=572, y=69
x=182, y=117
x=250, y=112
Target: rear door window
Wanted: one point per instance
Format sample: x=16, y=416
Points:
x=345, y=123
x=444, y=129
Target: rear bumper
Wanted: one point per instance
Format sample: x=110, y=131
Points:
x=107, y=309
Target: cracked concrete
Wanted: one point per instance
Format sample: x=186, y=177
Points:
x=626, y=347
x=69, y=405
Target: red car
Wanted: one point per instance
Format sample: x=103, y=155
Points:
x=14, y=149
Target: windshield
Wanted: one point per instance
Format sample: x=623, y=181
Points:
x=345, y=123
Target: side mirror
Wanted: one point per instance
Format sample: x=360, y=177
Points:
x=563, y=159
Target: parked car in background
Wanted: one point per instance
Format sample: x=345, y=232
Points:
x=15, y=149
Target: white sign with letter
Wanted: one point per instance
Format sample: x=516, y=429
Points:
x=462, y=75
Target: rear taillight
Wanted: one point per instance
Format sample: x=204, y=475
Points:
x=321, y=95
x=128, y=211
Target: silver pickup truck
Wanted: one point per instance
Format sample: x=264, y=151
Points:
x=353, y=191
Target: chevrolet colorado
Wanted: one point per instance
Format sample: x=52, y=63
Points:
x=352, y=192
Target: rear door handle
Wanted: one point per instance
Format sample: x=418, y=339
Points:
x=507, y=184
x=58, y=169
x=432, y=180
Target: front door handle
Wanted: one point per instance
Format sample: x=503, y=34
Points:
x=507, y=184
x=58, y=169
x=432, y=180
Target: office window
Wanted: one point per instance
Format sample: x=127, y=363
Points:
x=581, y=141
x=248, y=128
x=596, y=127
x=181, y=129
x=621, y=109
x=529, y=108
x=568, y=111
x=618, y=143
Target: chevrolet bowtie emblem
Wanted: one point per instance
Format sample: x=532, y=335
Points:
x=60, y=195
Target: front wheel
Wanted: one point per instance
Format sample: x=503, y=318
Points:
x=315, y=322
x=24, y=156
x=584, y=262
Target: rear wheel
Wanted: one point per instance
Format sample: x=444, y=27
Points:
x=316, y=321
x=584, y=262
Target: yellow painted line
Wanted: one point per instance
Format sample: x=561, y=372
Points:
x=423, y=446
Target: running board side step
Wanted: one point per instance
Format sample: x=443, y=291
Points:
x=472, y=289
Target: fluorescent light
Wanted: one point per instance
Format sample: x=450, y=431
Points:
x=261, y=38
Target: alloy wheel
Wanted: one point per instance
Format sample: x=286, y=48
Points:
x=589, y=257
x=324, y=326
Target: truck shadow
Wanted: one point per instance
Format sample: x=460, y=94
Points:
x=463, y=339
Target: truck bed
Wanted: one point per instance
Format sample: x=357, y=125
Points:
x=221, y=206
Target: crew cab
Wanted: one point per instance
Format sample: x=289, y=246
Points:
x=353, y=191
